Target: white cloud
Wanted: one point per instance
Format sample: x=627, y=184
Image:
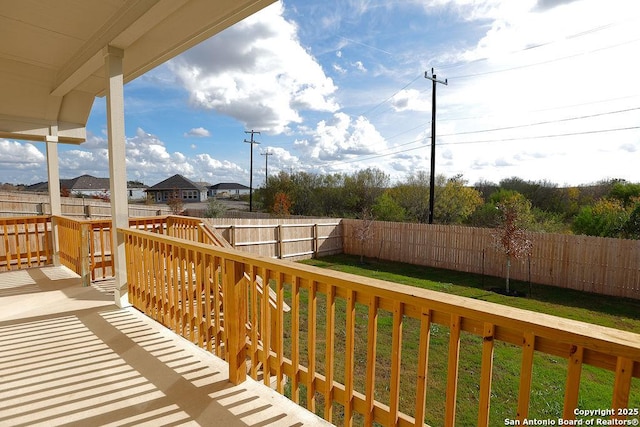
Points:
x=358, y=65
x=342, y=138
x=410, y=99
x=198, y=133
x=19, y=154
x=21, y=163
x=256, y=72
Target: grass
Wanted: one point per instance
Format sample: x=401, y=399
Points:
x=549, y=372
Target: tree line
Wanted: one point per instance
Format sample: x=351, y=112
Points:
x=609, y=208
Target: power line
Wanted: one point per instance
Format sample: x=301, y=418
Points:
x=487, y=141
x=562, y=58
x=557, y=135
x=391, y=97
x=487, y=130
x=543, y=122
x=525, y=49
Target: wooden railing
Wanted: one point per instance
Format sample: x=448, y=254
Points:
x=85, y=245
x=333, y=348
x=26, y=242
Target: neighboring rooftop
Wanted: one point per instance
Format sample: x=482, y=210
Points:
x=177, y=182
x=82, y=182
x=229, y=186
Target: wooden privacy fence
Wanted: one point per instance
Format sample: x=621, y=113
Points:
x=27, y=204
x=334, y=346
x=293, y=239
x=592, y=264
x=26, y=242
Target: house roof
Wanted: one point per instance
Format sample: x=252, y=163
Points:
x=176, y=182
x=229, y=186
x=82, y=182
x=52, y=53
x=85, y=182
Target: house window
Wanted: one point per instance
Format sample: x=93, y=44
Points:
x=189, y=194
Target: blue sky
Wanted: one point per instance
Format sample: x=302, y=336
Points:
x=542, y=90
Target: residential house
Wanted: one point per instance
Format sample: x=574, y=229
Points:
x=90, y=186
x=183, y=188
x=227, y=189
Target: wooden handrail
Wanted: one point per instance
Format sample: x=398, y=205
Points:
x=161, y=288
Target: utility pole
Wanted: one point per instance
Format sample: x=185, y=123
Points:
x=432, y=181
x=266, y=165
x=252, y=142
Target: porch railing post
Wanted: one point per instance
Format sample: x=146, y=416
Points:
x=235, y=319
x=85, y=251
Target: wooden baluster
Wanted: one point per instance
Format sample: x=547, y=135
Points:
x=329, y=352
x=396, y=359
x=265, y=330
x=572, y=387
x=295, y=339
x=311, y=346
x=526, y=376
x=622, y=386
x=370, y=381
x=254, y=319
x=452, y=370
x=423, y=365
x=349, y=356
x=278, y=319
x=486, y=373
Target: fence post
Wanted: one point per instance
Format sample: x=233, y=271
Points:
x=85, y=244
x=235, y=318
x=279, y=241
x=232, y=235
x=315, y=240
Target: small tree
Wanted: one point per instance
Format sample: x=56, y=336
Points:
x=104, y=195
x=175, y=202
x=364, y=231
x=510, y=236
x=281, y=204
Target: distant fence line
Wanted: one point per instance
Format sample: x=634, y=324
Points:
x=592, y=264
x=27, y=204
x=284, y=238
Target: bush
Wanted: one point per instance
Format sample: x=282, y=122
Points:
x=215, y=209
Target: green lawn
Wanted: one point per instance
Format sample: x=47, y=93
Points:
x=549, y=372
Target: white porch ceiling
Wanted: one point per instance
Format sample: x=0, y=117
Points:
x=51, y=53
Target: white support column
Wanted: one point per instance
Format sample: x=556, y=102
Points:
x=53, y=172
x=117, y=168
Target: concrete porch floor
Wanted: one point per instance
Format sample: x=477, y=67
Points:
x=69, y=356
